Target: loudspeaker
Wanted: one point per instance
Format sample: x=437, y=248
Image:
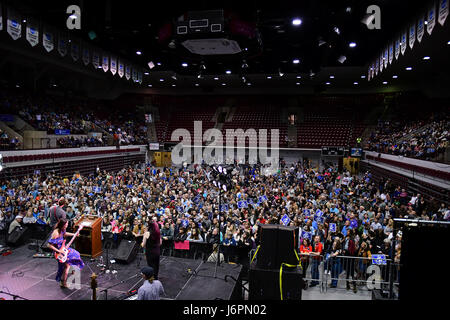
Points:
x=127, y=251
x=277, y=246
x=265, y=284
x=18, y=236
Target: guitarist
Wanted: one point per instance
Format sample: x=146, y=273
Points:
x=73, y=258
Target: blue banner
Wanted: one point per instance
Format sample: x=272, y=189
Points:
x=6, y=118
x=62, y=132
x=379, y=259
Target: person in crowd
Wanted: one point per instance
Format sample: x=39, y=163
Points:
x=305, y=251
x=316, y=257
x=152, y=243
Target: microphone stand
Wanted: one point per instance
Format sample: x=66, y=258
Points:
x=115, y=285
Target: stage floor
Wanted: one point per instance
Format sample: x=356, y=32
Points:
x=182, y=279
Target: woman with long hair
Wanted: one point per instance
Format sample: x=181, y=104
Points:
x=73, y=257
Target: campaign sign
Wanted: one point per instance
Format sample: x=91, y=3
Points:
x=306, y=235
x=379, y=259
x=240, y=204
x=319, y=213
x=285, y=220
x=185, y=223
x=62, y=132
x=332, y=227
x=306, y=212
x=11, y=192
x=179, y=209
x=320, y=220
x=97, y=189
x=223, y=207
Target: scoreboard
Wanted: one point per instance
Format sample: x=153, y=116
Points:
x=333, y=151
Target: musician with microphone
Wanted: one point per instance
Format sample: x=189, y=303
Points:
x=65, y=255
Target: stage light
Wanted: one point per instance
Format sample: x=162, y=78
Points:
x=298, y=83
x=269, y=77
x=363, y=77
x=249, y=84
x=224, y=84
x=296, y=61
x=158, y=63
x=321, y=42
x=408, y=68
x=342, y=59
x=348, y=9
x=184, y=64
x=149, y=86
x=138, y=53
x=352, y=44
x=146, y=73
x=426, y=58
x=355, y=83
x=385, y=82
x=328, y=83
x=244, y=64
x=448, y=42
x=394, y=77
x=196, y=84
x=280, y=73
x=296, y=22
x=174, y=77
x=162, y=80
x=174, y=85
x=336, y=29
x=199, y=76
x=228, y=72
x=216, y=78
x=331, y=77
x=298, y=77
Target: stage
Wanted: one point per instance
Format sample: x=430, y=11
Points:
x=183, y=279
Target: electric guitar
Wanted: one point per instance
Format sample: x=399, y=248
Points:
x=62, y=257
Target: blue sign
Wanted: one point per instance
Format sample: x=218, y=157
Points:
x=185, y=223
x=332, y=227
x=285, y=220
x=6, y=118
x=97, y=189
x=223, y=207
x=320, y=220
x=307, y=212
x=306, y=235
x=319, y=213
x=62, y=132
x=10, y=192
x=179, y=209
x=379, y=259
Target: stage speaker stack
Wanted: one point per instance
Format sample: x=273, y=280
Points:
x=20, y=235
x=127, y=251
x=277, y=246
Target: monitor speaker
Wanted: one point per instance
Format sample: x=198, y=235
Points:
x=277, y=245
x=127, y=251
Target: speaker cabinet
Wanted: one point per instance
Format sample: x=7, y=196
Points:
x=265, y=284
x=127, y=251
x=277, y=245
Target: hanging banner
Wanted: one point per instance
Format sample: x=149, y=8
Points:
x=13, y=24
x=105, y=62
x=48, y=40
x=376, y=66
x=420, y=28
x=373, y=70
x=397, y=49
x=96, y=60
x=86, y=55
x=62, y=44
x=443, y=12
x=128, y=72
x=386, y=58
x=75, y=50
x=134, y=75
x=113, y=66
x=139, y=77
x=121, y=70
x=412, y=35
x=32, y=32
x=1, y=17
x=403, y=43
x=391, y=53
x=369, y=73
x=431, y=18
x=381, y=62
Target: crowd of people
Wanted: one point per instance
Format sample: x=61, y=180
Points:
x=409, y=140
x=8, y=143
x=329, y=207
x=71, y=142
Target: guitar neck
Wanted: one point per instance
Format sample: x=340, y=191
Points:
x=73, y=238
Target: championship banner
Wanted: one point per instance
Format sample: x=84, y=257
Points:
x=113, y=66
x=32, y=32
x=48, y=40
x=381, y=62
x=443, y=12
x=403, y=43
x=386, y=58
x=134, y=75
x=75, y=50
x=96, y=60
x=431, y=18
x=369, y=73
x=376, y=66
x=86, y=55
x=139, y=77
x=373, y=70
x=1, y=17
x=420, y=28
x=412, y=35
x=391, y=53
x=13, y=25
x=397, y=49
x=121, y=70
x=128, y=72
x=62, y=44
x=105, y=62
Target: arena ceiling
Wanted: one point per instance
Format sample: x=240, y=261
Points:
x=126, y=27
